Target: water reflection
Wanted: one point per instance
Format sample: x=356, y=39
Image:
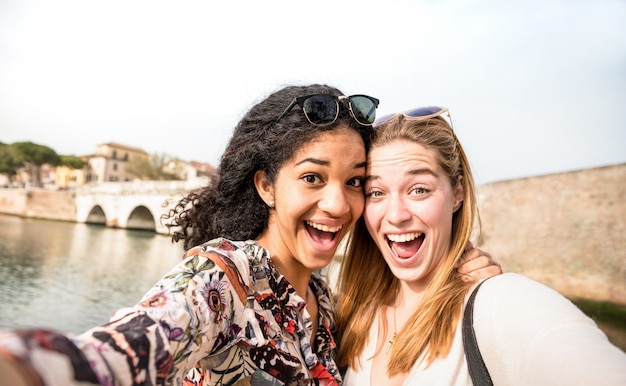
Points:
x=70, y=276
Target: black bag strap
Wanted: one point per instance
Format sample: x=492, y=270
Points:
x=477, y=369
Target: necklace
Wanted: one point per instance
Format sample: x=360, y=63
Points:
x=395, y=329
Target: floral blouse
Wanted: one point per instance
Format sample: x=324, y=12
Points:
x=223, y=316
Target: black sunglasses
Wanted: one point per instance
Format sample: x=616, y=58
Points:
x=323, y=109
x=419, y=113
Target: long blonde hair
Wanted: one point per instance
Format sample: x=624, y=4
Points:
x=366, y=283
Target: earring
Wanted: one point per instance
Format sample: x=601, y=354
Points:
x=271, y=204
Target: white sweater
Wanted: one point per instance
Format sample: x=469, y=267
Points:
x=528, y=334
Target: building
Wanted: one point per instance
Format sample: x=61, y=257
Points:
x=109, y=163
x=112, y=162
x=67, y=178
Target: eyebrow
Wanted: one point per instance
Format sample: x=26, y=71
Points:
x=315, y=161
x=327, y=163
x=412, y=172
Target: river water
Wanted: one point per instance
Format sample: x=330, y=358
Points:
x=70, y=276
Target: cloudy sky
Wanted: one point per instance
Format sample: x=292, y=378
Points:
x=534, y=87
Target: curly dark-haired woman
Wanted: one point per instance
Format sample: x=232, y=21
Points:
x=245, y=306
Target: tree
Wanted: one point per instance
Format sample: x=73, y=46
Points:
x=11, y=159
x=154, y=167
x=72, y=161
x=34, y=156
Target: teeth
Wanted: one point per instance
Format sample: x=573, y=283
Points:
x=404, y=237
x=324, y=228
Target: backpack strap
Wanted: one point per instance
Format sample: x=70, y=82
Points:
x=476, y=366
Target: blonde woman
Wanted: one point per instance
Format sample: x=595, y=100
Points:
x=401, y=302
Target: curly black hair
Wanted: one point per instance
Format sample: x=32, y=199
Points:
x=229, y=206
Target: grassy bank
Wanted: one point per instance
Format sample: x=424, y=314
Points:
x=611, y=318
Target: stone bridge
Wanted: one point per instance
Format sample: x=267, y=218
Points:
x=130, y=205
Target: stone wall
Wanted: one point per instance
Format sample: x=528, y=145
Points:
x=567, y=230
x=13, y=201
x=53, y=205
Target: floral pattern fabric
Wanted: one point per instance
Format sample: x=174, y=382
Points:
x=223, y=316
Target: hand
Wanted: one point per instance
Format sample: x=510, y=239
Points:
x=476, y=265
x=14, y=373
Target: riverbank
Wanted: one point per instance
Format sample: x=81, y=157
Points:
x=611, y=318
x=39, y=203
x=127, y=205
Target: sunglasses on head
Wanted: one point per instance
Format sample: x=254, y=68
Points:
x=419, y=113
x=323, y=109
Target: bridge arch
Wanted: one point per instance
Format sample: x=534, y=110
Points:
x=96, y=216
x=141, y=218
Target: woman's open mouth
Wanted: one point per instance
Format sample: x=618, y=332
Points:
x=405, y=245
x=321, y=233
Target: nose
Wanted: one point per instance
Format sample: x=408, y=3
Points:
x=397, y=210
x=335, y=200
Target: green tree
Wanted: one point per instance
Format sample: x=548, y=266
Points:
x=11, y=159
x=72, y=161
x=154, y=167
x=37, y=154
x=34, y=156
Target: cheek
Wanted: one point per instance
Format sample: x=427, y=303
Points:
x=439, y=215
x=357, y=203
x=372, y=216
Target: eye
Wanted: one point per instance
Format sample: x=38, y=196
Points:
x=356, y=182
x=312, y=179
x=374, y=193
x=418, y=191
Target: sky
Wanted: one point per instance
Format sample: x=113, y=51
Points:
x=534, y=87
